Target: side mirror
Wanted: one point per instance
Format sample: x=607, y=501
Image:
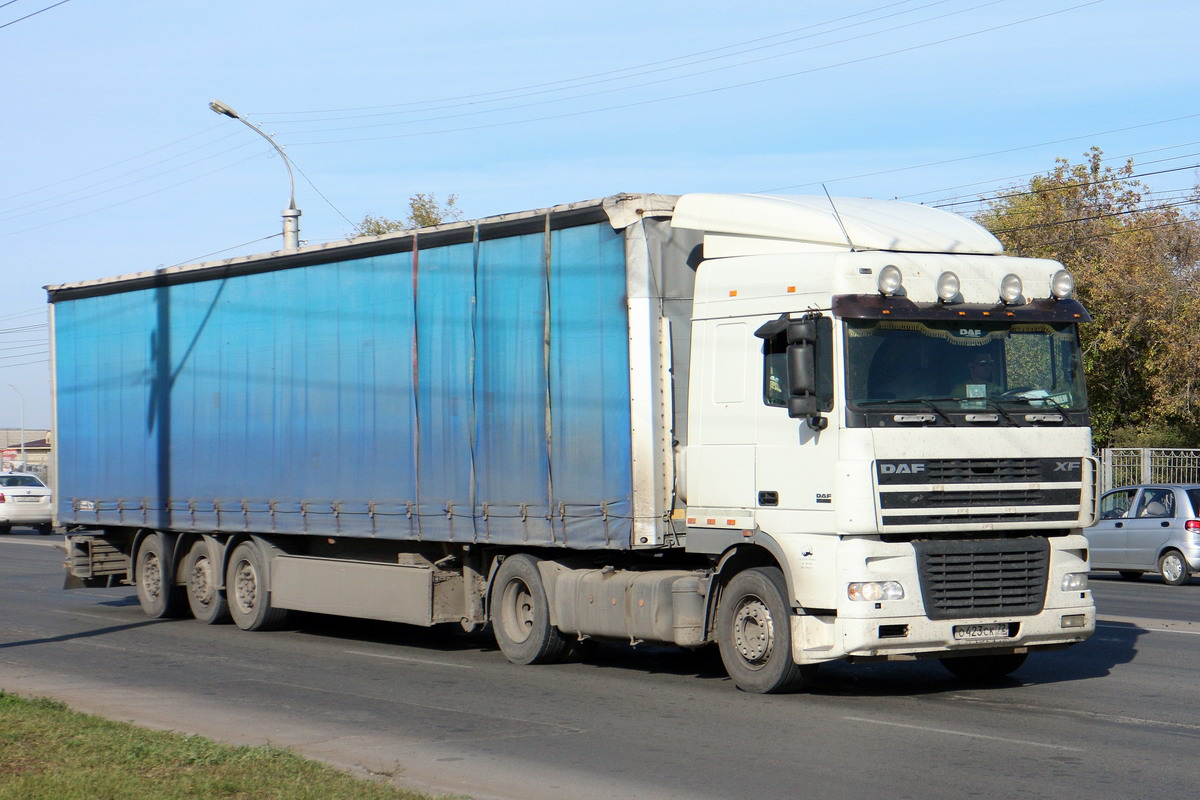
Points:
x=802, y=381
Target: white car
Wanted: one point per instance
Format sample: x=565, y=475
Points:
x=24, y=500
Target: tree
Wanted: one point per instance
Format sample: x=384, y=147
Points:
x=1135, y=264
x=423, y=211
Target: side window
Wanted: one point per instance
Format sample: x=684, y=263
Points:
x=1115, y=504
x=1157, y=503
x=775, y=379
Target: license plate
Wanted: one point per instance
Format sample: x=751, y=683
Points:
x=996, y=630
x=27, y=499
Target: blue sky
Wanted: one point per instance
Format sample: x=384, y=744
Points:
x=111, y=161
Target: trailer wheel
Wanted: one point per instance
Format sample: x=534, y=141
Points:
x=206, y=600
x=754, y=633
x=1173, y=568
x=984, y=669
x=521, y=614
x=248, y=591
x=156, y=590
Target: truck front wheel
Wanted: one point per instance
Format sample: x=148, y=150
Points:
x=754, y=633
x=156, y=590
x=248, y=590
x=521, y=614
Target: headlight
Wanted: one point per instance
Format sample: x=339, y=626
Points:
x=874, y=591
x=1074, y=581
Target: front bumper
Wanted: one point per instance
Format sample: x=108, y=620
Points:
x=826, y=639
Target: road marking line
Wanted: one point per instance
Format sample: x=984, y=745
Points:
x=405, y=658
x=35, y=544
x=1166, y=625
x=967, y=734
x=1120, y=719
x=86, y=614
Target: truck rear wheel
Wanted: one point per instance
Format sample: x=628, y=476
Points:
x=521, y=614
x=204, y=596
x=754, y=633
x=160, y=598
x=248, y=590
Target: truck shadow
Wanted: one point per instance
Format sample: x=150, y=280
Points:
x=1114, y=644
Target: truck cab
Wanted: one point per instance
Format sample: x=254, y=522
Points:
x=896, y=412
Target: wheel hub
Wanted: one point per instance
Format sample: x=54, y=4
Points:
x=151, y=576
x=201, y=581
x=245, y=587
x=753, y=631
x=1172, y=567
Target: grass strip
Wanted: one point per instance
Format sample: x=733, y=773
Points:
x=49, y=752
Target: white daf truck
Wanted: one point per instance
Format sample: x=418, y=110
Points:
x=806, y=429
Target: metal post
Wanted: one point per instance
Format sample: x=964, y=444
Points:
x=24, y=466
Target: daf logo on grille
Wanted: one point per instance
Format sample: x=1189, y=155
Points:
x=1065, y=466
x=901, y=469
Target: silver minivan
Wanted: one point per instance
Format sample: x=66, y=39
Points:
x=1148, y=528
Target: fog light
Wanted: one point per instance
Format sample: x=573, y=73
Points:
x=1061, y=285
x=874, y=591
x=1010, y=289
x=1074, y=621
x=947, y=286
x=889, y=280
x=1074, y=581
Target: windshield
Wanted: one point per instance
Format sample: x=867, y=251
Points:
x=970, y=365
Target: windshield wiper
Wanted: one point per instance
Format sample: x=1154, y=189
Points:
x=932, y=404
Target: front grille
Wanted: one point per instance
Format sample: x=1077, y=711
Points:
x=983, y=577
x=991, y=497
x=979, y=470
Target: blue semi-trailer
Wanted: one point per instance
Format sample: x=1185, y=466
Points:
x=645, y=417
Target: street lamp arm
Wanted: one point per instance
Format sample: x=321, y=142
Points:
x=220, y=108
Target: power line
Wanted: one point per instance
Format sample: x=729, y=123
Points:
x=34, y=14
x=1056, y=223
x=599, y=74
x=1077, y=185
x=713, y=90
x=981, y=155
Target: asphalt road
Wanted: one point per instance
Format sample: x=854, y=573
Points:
x=1111, y=718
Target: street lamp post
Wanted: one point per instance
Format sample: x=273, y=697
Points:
x=24, y=466
x=291, y=214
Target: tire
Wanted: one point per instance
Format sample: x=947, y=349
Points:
x=5, y=528
x=204, y=596
x=157, y=592
x=754, y=633
x=1130, y=574
x=248, y=590
x=520, y=614
x=1173, y=568
x=984, y=669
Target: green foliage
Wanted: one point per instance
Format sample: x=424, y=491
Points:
x=48, y=752
x=1135, y=264
x=424, y=211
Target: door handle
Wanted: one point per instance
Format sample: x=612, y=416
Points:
x=1119, y=525
x=1165, y=523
